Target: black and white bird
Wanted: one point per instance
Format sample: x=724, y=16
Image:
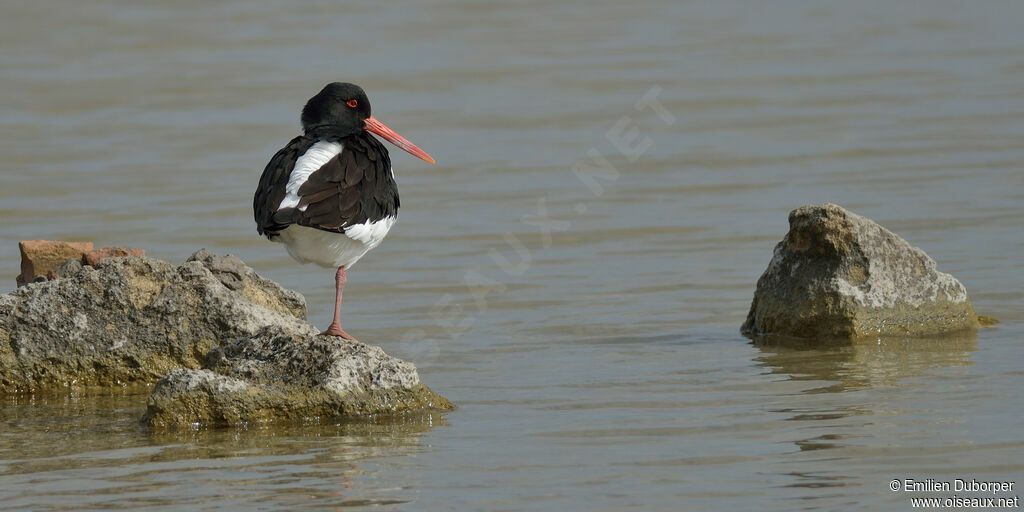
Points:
x=330, y=194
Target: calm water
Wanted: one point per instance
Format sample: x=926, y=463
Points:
x=586, y=322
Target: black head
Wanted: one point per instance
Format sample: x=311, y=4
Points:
x=342, y=107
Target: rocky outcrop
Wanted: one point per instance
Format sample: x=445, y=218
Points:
x=133, y=319
x=277, y=375
x=839, y=275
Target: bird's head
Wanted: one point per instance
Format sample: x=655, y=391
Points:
x=345, y=110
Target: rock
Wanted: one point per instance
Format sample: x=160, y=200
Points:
x=38, y=257
x=68, y=269
x=92, y=258
x=277, y=375
x=132, y=319
x=839, y=275
x=228, y=269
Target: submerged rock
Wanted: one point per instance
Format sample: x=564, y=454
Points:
x=839, y=275
x=276, y=375
x=132, y=319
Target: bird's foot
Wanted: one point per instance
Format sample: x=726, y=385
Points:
x=336, y=330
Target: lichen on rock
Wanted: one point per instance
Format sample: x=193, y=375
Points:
x=132, y=319
x=276, y=375
x=839, y=275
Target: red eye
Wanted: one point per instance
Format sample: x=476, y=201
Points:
x=352, y=103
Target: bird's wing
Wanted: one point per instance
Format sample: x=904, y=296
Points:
x=272, y=185
x=354, y=187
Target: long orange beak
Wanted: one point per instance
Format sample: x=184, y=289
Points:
x=375, y=126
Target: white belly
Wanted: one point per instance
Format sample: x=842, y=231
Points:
x=332, y=250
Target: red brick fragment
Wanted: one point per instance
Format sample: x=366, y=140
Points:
x=40, y=257
x=91, y=258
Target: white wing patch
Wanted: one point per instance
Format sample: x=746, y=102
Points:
x=313, y=159
x=371, y=233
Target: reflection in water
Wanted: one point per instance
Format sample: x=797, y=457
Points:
x=836, y=414
x=87, y=440
x=851, y=366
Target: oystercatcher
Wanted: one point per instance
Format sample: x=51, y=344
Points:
x=330, y=195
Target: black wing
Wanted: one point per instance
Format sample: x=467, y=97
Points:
x=271, y=189
x=354, y=187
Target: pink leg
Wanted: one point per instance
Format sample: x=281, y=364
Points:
x=335, y=328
